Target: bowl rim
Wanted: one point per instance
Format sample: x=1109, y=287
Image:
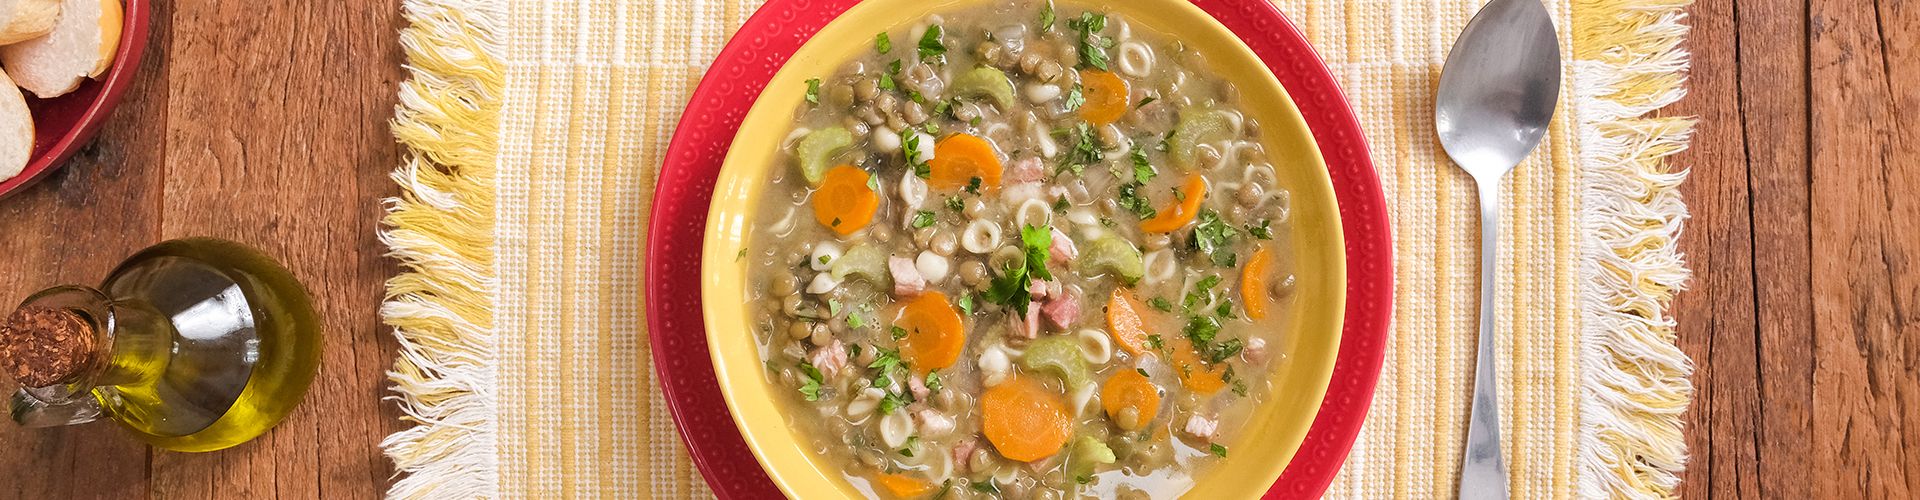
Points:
x=765, y=104
x=113, y=86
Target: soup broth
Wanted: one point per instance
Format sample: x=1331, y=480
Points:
x=1022, y=252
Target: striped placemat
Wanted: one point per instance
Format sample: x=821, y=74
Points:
x=535, y=129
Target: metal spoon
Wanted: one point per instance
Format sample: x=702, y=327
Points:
x=1497, y=95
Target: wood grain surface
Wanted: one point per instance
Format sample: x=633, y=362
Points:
x=1804, y=317
x=265, y=122
x=260, y=122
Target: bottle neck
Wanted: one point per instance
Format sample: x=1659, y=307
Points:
x=85, y=341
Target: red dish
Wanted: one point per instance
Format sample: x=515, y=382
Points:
x=780, y=27
x=62, y=125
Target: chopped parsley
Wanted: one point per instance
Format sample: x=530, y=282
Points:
x=882, y=43
x=1061, y=205
x=1219, y=450
x=836, y=222
x=813, y=91
x=986, y=487
x=923, y=218
x=1201, y=330
x=1075, y=98
x=1010, y=289
x=811, y=387
x=954, y=204
x=915, y=157
x=1161, y=303
x=1155, y=341
x=1132, y=200
x=833, y=307
x=1214, y=237
x=1225, y=349
x=930, y=44
x=1263, y=231
x=933, y=382
x=742, y=255
x=912, y=442
x=1202, y=293
x=944, y=108
x=1086, y=149
x=1046, y=23
x=1144, y=101
x=1093, y=47
x=856, y=320
x=1143, y=171
x=825, y=259
x=966, y=304
x=886, y=82
x=1141, y=371
x=973, y=185
x=1225, y=309
x=897, y=332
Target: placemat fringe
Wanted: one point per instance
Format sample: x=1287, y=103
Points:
x=440, y=228
x=1635, y=379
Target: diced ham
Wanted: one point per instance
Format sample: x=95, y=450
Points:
x=829, y=359
x=1026, y=170
x=1063, y=250
x=933, y=424
x=1201, y=427
x=1256, y=351
x=907, y=281
x=962, y=453
x=1061, y=312
x=1027, y=326
x=918, y=386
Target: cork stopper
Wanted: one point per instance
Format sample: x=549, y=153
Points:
x=42, y=346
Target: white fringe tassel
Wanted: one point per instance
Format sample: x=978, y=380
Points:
x=440, y=229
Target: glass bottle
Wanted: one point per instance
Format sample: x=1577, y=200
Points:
x=191, y=345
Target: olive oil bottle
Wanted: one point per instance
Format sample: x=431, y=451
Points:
x=192, y=345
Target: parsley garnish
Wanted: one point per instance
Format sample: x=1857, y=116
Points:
x=1093, y=47
x=1143, y=171
x=954, y=204
x=1202, y=292
x=742, y=255
x=813, y=90
x=911, y=145
x=1144, y=101
x=1202, y=329
x=930, y=44
x=986, y=487
x=966, y=303
x=1086, y=149
x=1075, y=98
x=1010, y=289
x=886, y=82
x=1214, y=237
x=811, y=388
x=897, y=332
x=882, y=43
x=923, y=218
x=1224, y=350
x=1219, y=450
x=1263, y=231
x=1046, y=23
x=1225, y=309
x=856, y=320
x=1060, y=205
x=1133, y=201
x=1160, y=303
x=973, y=185
x=1155, y=341
x=933, y=382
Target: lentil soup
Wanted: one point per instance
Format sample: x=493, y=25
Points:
x=1026, y=251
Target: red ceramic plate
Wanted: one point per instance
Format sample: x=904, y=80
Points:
x=781, y=26
x=62, y=125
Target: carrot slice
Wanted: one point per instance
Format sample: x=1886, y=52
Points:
x=1106, y=95
x=934, y=337
x=1253, y=282
x=844, y=202
x=960, y=158
x=903, y=486
x=1024, y=420
x=1184, y=209
x=1130, y=389
x=1124, y=323
x=1197, y=375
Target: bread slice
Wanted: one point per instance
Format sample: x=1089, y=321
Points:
x=16, y=130
x=22, y=20
x=81, y=46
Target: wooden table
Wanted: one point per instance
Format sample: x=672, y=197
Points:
x=1804, y=318
x=265, y=122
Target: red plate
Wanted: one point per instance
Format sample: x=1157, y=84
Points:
x=62, y=125
x=781, y=26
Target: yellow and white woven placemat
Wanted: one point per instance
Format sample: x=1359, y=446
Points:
x=536, y=128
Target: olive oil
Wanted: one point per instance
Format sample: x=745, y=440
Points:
x=206, y=344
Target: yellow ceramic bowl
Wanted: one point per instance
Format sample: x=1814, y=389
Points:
x=1260, y=451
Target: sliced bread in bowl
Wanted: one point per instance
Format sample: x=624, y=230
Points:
x=81, y=46
x=22, y=20
x=16, y=130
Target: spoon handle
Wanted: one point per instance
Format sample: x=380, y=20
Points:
x=1483, y=469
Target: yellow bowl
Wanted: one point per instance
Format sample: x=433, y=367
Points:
x=1306, y=351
